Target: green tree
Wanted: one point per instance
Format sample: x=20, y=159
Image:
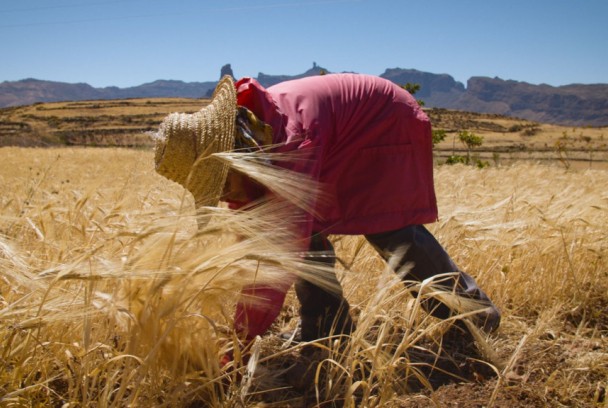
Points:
x=412, y=89
x=456, y=159
x=439, y=136
x=471, y=141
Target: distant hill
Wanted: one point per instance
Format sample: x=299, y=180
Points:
x=269, y=80
x=577, y=104
x=29, y=91
x=571, y=105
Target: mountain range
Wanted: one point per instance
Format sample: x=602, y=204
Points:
x=571, y=105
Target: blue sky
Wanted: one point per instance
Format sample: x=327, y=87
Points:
x=130, y=42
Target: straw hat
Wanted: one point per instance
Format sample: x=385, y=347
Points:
x=185, y=144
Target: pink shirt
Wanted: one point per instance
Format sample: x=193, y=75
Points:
x=366, y=139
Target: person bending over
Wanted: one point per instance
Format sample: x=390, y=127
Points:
x=361, y=137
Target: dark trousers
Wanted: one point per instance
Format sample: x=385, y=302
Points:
x=324, y=313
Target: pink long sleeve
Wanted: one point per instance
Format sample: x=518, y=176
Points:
x=258, y=309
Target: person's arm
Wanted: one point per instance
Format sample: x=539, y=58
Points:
x=258, y=308
x=259, y=304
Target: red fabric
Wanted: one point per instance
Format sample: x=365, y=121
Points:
x=259, y=308
x=366, y=139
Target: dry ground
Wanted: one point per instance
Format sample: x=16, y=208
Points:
x=509, y=139
x=125, y=123
x=81, y=227
x=88, y=123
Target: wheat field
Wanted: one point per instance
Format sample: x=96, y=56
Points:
x=111, y=297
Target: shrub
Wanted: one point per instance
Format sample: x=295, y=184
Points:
x=439, y=136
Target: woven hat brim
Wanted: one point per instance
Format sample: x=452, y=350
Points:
x=186, y=144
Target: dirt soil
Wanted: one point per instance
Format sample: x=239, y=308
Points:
x=531, y=369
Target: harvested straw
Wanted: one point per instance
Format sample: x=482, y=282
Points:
x=110, y=296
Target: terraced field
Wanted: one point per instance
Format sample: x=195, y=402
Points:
x=125, y=123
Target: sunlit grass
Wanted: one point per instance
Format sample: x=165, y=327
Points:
x=110, y=295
